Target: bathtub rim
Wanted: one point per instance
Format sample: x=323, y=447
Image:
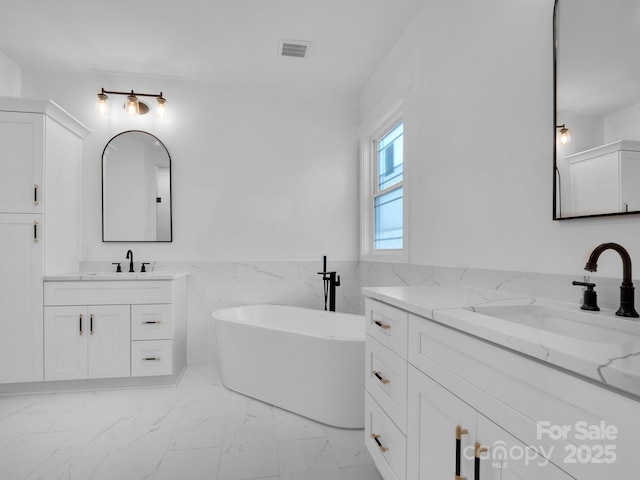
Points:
x=218, y=316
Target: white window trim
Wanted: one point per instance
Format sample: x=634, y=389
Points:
x=369, y=134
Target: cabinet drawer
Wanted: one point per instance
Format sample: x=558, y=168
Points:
x=388, y=325
x=151, y=357
x=386, y=381
x=98, y=292
x=151, y=322
x=389, y=447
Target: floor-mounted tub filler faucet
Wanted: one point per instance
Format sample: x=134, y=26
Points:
x=627, y=308
x=130, y=258
x=331, y=281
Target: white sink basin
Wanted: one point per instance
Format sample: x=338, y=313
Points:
x=574, y=324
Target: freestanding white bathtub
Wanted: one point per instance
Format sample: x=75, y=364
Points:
x=309, y=362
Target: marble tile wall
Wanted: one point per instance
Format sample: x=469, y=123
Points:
x=214, y=285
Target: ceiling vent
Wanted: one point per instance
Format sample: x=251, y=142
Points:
x=294, y=48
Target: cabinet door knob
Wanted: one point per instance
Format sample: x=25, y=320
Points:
x=376, y=438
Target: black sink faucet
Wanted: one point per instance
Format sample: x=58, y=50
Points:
x=627, y=308
x=130, y=258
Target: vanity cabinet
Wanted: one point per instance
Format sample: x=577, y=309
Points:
x=40, y=155
x=86, y=342
x=534, y=420
x=114, y=328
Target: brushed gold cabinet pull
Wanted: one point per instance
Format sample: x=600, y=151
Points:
x=376, y=437
x=459, y=432
x=477, y=450
x=379, y=376
x=384, y=326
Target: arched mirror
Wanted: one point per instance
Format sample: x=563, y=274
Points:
x=597, y=99
x=136, y=189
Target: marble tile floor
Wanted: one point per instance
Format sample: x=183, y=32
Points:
x=195, y=430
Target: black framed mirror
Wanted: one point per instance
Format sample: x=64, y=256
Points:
x=136, y=189
x=597, y=102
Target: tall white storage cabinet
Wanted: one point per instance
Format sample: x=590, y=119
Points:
x=40, y=155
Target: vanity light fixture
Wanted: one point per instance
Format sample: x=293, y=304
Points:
x=565, y=134
x=132, y=105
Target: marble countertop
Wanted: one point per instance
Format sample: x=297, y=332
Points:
x=596, y=345
x=109, y=276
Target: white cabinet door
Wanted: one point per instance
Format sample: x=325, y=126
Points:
x=109, y=341
x=87, y=342
x=435, y=416
x=434, y=422
x=65, y=345
x=21, y=162
x=20, y=299
x=507, y=458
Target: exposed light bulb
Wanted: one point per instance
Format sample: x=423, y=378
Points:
x=132, y=105
x=101, y=104
x=161, y=107
x=565, y=136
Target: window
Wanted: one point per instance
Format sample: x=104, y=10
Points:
x=387, y=197
x=383, y=189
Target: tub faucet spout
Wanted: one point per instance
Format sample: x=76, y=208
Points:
x=627, y=308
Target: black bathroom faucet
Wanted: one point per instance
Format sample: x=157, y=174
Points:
x=130, y=258
x=331, y=281
x=627, y=308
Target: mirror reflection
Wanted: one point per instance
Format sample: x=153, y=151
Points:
x=136, y=189
x=597, y=74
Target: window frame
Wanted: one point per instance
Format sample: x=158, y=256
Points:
x=369, y=187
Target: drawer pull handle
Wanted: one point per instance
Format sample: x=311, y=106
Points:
x=152, y=322
x=383, y=326
x=91, y=324
x=80, y=323
x=35, y=194
x=151, y=359
x=459, y=432
x=376, y=438
x=477, y=450
x=379, y=376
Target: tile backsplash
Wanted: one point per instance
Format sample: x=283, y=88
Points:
x=214, y=285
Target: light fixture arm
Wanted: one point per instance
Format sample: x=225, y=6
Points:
x=135, y=94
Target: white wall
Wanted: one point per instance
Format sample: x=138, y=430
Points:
x=10, y=77
x=480, y=139
x=257, y=173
